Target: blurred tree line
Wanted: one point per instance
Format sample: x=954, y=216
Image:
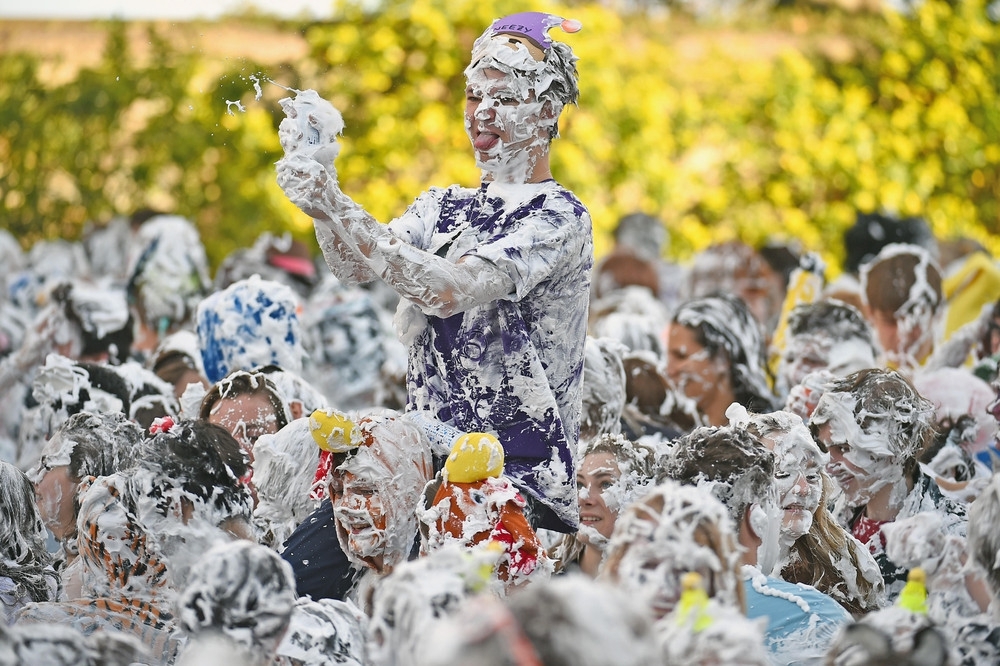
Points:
x=822, y=113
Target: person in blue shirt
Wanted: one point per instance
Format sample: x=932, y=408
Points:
x=739, y=470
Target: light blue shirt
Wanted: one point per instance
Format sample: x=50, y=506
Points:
x=801, y=621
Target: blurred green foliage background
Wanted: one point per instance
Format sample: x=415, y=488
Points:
x=768, y=124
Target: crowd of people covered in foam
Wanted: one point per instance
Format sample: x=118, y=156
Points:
x=456, y=438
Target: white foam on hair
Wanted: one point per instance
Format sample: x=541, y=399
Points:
x=326, y=632
x=658, y=547
x=176, y=271
x=284, y=468
x=243, y=590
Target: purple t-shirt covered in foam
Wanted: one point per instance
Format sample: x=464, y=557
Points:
x=514, y=366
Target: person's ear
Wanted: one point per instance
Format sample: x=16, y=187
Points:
x=548, y=111
x=549, y=115
x=757, y=520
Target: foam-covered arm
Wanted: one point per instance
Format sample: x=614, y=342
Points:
x=440, y=435
x=343, y=260
x=355, y=246
x=435, y=284
x=306, y=173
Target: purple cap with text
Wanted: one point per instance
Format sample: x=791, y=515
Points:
x=534, y=26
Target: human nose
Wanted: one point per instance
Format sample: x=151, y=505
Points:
x=801, y=486
x=351, y=501
x=486, y=108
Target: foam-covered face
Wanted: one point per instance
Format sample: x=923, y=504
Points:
x=55, y=493
x=799, y=479
x=902, y=336
x=597, y=481
x=691, y=369
x=762, y=289
x=360, y=505
x=862, y=461
x=507, y=124
x=246, y=417
x=813, y=352
x=651, y=568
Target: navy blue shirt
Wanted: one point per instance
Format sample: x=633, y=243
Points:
x=322, y=570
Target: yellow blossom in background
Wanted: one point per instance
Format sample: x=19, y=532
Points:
x=743, y=129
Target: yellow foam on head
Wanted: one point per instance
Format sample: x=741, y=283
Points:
x=474, y=456
x=332, y=431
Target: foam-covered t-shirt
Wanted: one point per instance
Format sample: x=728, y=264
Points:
x=512, y=366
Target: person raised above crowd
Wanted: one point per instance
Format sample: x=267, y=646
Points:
x=494, y=280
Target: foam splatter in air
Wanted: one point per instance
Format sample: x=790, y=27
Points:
x=256, y=79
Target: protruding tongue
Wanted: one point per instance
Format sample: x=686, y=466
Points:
x=485, y=141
